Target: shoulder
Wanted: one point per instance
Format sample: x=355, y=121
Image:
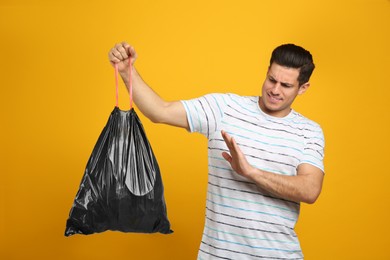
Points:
x=225, y=100
x=230, y=98
x=239, y=100
x=310, y=128
x=304, y=121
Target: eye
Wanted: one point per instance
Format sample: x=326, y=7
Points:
x=286, y=85
x=272, y=80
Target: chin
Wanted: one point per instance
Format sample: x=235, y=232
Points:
x=273, y=107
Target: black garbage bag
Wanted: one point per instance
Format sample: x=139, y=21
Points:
x=121, y=188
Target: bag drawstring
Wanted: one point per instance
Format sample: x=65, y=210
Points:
x=117, y=84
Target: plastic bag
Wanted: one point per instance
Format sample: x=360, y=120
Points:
x=122, y=187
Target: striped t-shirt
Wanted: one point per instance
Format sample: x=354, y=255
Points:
x=243, y=221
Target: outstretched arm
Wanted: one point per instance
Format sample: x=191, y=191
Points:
x=304, y=187
x=149, y=102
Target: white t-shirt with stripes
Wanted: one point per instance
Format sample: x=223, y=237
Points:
x=243, y=221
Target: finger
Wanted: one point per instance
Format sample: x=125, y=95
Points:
x=231, y=144
x=114, y=54
x=237, y=153
x=114, y=60
x=227, y=157
x=235, y=146
x=131, y=51
x=123, y=52
x=227, y=139
x=234, y=150
x=125, y=45
x=120, y=51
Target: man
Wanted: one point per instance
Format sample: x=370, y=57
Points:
x=264, y=157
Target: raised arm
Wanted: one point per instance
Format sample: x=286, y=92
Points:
x=147, y=100
x=304, y=187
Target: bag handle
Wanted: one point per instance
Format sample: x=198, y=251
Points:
x=130, y=84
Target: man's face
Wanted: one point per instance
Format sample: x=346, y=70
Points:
x=280, y=89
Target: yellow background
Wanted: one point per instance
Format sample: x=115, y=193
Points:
x=57, y=91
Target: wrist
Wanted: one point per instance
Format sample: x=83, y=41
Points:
x=252, y=172
x=125, y=74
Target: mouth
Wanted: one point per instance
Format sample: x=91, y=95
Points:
x=274, y=99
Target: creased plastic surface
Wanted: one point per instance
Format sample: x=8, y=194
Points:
x=122, y=187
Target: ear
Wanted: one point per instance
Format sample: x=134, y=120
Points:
x=302, y=89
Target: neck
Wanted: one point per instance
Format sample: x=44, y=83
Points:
x=275, y=113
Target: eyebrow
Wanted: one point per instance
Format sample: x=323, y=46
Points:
x=281, y=83
x=286, y=84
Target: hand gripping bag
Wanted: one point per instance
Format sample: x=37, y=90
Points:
x=122, y=188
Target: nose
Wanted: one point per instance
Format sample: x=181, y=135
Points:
x=275, y=90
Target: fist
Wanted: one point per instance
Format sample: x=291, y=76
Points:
x=122, y=54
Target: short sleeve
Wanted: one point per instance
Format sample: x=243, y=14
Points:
x=313, y=152
x=204, y=114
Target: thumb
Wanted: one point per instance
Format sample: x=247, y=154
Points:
x=131, y=52
x=227, y=157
